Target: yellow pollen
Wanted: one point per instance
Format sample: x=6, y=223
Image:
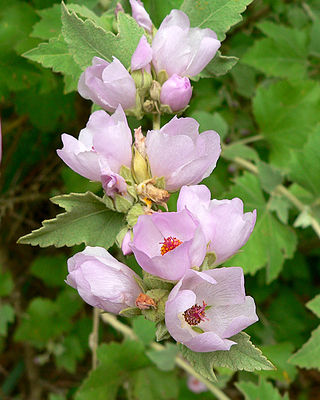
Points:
x=169, y=244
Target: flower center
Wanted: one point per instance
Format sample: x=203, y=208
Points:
x=169, y=244
x=195, y=314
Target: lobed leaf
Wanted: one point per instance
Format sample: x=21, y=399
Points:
x=87, y=221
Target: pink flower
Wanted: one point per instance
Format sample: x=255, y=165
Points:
x=179, y=154
x=101, y=149
x=176, y=92
x=140, y=15
x=223, y=222
x=206, y=308
x=179, y=49
x=168, y=244
x=108, y=85
x=142, y=56
x=125, y=246
x=102, y=281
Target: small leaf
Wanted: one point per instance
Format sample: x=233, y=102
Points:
x=6, y=317
x=144, y=329
x=219, y=65
x=87, y=220
x=270, y=177
x=165, y=358
x=264, y=390
x=122, y=204
x=241, y=356
x=218, y=15
x=314, y=305
x=154, y=282
x=133, y=214
x=162, y=332
x=87, y=40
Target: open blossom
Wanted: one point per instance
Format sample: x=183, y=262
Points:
x=102, y=281
x=168, y=244
x=140, y=15
x=179, y=49
x=179, y=154
x=108, y=85
x=205, y=309
x=176, y=92
x=101, y=149
x=226, y=227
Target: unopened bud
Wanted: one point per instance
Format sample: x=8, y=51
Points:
x=118, y=9
x=142, y=79
x=176, y=92
x=140, y=142
x=139, y=166
x=155, y=91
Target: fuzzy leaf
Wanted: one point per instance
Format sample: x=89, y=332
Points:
x=218, y=15
x=87, y=220
x=55, y=55
x=87, y=40
x=241, y=356
x=286, y=114
x=218, y=66
x=283, y=54
x=264, y=390
x=165, y=358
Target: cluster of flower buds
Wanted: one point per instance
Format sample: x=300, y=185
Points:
x=161, y=65
x=180, y=288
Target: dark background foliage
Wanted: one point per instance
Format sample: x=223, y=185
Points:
x=267, y=111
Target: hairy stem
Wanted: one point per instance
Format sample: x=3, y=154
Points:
x=127, y=331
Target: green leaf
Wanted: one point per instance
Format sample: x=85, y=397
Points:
x=162, y=331
x=264, y=390
x=165, y=358
x=218, y=66
x=270, y=242
x=270, y=177
x=51, y=270
x=116, y=363
x=208, y=121
x=87, y=40
x=314, y=305
x=50, y=24
x=314, y=47
x=71, y=353
x=154, y=282
x=283, y=54
x=309, y=354
x=87, y=220
x=218, y=15
x=232, y=151
x=43, y=321
x=6, y=317
x=241, y=356
x=305, y=164
x=6, y=283
x=152, y=384
x=279, y=354
x=287, y=113
x=55, y=55
x=280, y=205
x=144, y=329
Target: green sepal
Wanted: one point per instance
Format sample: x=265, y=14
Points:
x=141, y=284
x=130, y=312
x=108, y=202
x=208, y=262
x=162, y=332
x=120, y=236
x=154, y=282
x=162, y=76
x=133, y=214
x=160, y=183
x=160, y=297
x=140, y=168
x=126, y=174
x=122, y=204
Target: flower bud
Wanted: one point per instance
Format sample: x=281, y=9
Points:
x=155, y=91
x=140, y=15
x=102, y=281
x=176, y=92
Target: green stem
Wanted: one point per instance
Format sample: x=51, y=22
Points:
x=94, y=337
x=127, y=331
x=156, y=121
